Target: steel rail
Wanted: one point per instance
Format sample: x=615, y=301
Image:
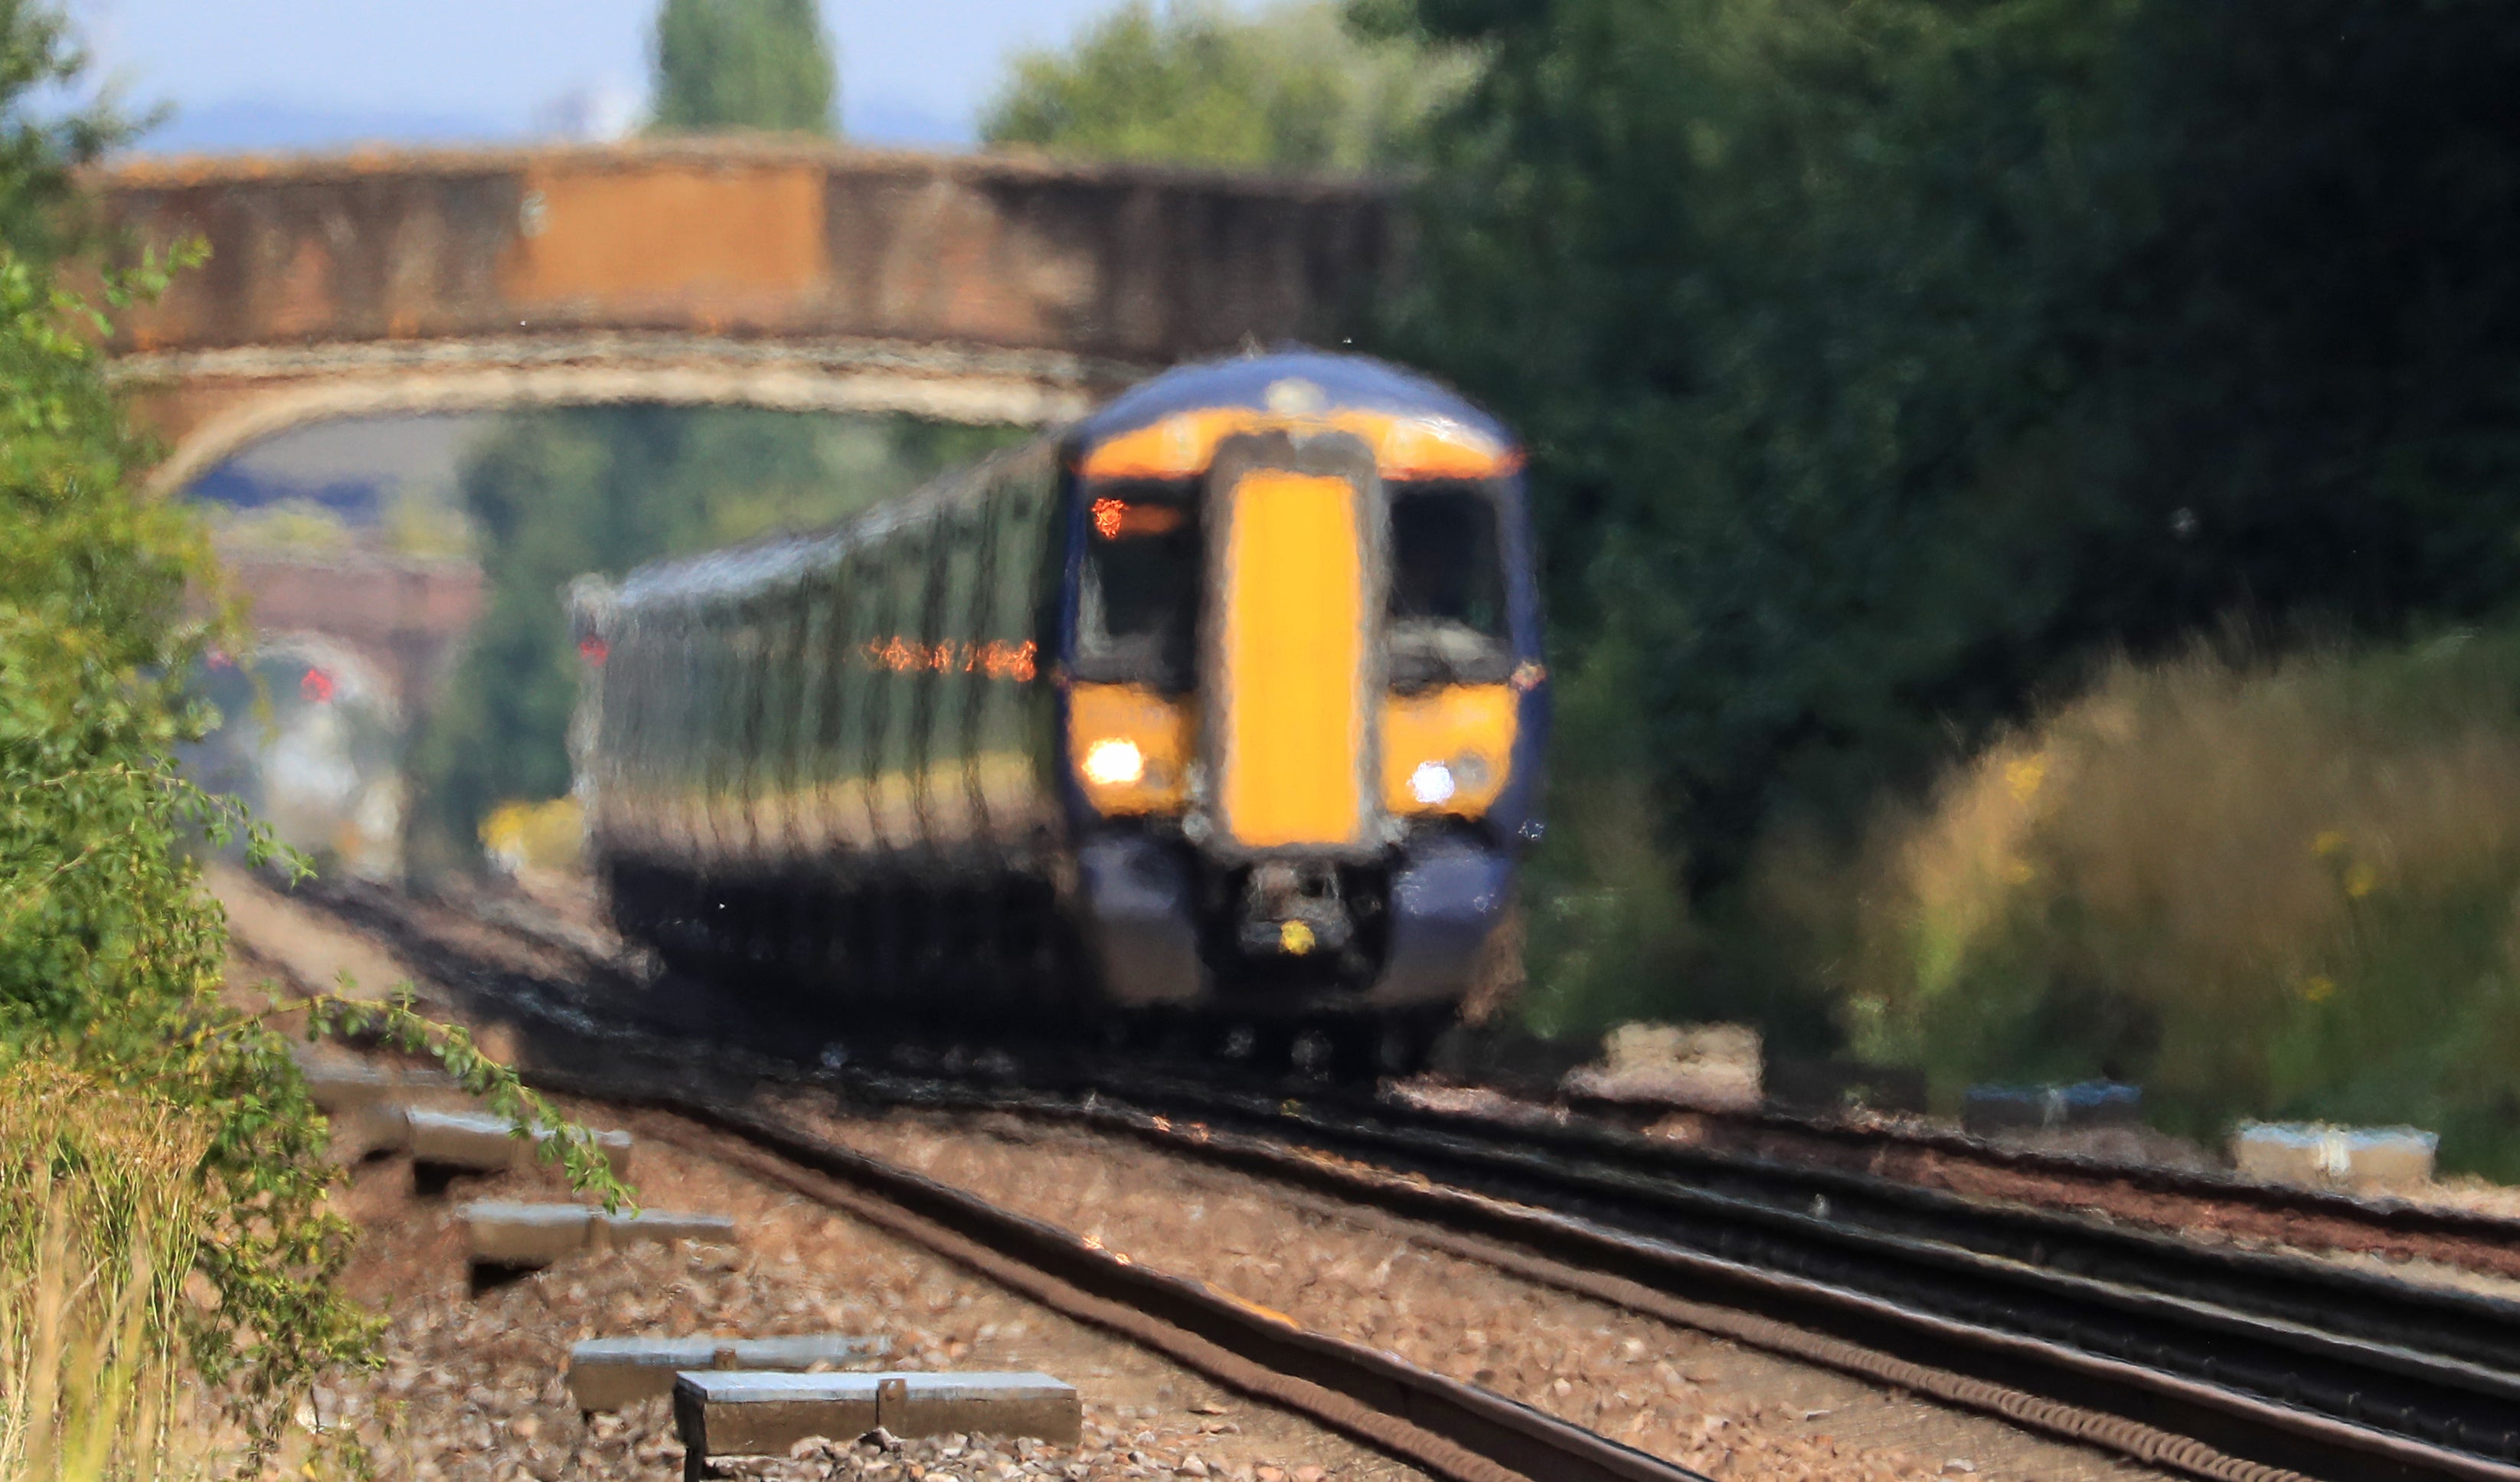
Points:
x=1750, y=1132
x=2467, y=1328
x=2381, y=1225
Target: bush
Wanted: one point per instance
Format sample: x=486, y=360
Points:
x=1610, y=934
x=153, y=1137
x=2289, y=889
x=111, y=956
x=1286, y=87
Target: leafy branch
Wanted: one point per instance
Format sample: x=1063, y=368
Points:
x=395, y=1023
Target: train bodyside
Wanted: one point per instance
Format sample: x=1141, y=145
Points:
x=1235, y=684
x=792, y=745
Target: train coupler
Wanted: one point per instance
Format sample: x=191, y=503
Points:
x=1294, y=909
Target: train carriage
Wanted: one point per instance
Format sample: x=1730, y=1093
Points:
x=1228, y=698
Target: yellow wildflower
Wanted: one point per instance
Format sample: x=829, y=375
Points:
x=2020, y=871
x=2359, y=880
x=2329, y=844
x=2319, y=987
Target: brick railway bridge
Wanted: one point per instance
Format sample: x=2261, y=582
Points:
x=762, y=272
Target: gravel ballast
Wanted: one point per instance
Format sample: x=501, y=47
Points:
x=472, y=1387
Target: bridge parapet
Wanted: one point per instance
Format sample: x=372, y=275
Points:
x=717, y=270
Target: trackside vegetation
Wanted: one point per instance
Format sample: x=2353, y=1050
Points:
x=100, y=1217
x=112, y=960
x=164, y=1220
x=2286, y=887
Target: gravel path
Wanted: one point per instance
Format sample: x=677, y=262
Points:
x=1705, y=1402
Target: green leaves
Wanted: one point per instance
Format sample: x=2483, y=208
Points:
x=111, y=956
x=743, y=65
x=395, y=1025
x=1290, y=88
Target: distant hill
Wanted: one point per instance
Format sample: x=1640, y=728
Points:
x=251, y=125
x=258, y=126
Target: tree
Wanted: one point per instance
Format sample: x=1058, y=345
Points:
x=1291, y=88
x=43, y=147
x=743, y=65
x=1886, y=364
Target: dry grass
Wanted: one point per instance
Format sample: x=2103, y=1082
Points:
x=98, y=1214
x=2280, y=890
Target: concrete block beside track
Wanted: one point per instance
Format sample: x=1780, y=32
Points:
x=753, y=1414
x=339, y=1081
x=367, y=1102
x=499, y=1234
x=522, y=1236
x=1994, y=1110
x=2313, y=1153
x=608, y=1373
x=479, y=1142
x=660, y=1225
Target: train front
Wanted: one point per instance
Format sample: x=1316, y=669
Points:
x=1304, y=702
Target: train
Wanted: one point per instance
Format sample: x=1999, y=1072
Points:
x=1225, y=705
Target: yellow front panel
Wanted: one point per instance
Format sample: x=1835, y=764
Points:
x=1158, y=729
x=1467, y=730
x=1294, y=621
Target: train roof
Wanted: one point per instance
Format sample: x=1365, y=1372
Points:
x=1246, y=381
x=766, y=562
x=1250, y=381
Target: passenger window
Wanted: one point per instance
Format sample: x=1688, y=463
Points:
x=1447, y=614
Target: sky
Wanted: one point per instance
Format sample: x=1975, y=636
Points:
x=284, y=74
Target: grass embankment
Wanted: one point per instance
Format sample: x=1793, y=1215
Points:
x=2280, y=890
x=99, y=1218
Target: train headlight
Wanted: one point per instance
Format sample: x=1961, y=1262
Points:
x=1114, y=763
x=1431, y=784
x=1130, y=747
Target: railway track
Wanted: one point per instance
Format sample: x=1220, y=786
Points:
x=1450, y=1429
x=1446, y=1428
x=2219, y=1361
x=2165, y=1197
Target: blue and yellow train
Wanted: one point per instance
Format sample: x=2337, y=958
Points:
x=1227, y=699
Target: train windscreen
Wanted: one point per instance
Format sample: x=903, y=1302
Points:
x=1138, y=606
x=1446, y=621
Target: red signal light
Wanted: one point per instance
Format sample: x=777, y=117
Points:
x=1107, y=514
x=316, y=687
x=592, y=649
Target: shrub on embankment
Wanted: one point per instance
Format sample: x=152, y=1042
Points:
x=113, y=958
x=2275, y=890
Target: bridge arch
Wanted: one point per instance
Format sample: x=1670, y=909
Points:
x=220, y=411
